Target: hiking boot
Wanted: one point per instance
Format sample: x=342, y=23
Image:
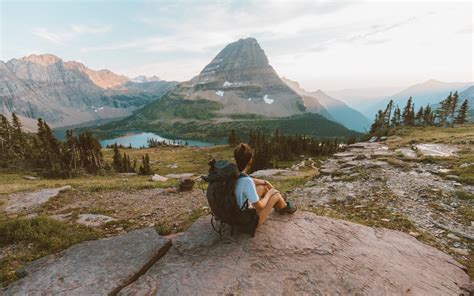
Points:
x=289, y=209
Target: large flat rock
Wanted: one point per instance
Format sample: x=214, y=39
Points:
x=97, y=267
x=301, y=254
x=437, y=150
x=25, y=201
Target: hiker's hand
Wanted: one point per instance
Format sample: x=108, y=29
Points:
x=272, y=191
x=268, y=185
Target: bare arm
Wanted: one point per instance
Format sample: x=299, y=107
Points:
x=262, y=182
x=263, y=201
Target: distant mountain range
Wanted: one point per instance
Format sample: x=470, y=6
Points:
x=334, y=109
x=237, y=89
x=68, y=93
x=429, y=92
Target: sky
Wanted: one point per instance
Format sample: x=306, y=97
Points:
x=323, y=45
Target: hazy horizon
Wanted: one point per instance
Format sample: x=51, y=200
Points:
x=323, y=45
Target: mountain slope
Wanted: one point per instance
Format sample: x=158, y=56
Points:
x=320, y=102
x=429, y=92
x=67, y=93
x=237, y=90
x=241, y=80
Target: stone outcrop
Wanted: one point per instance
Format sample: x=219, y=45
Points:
x=301, y=254
x=100, y=267
x=436, y=150
x=24, y=202
x=289, y=255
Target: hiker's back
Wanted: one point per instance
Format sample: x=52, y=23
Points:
x=223, y=177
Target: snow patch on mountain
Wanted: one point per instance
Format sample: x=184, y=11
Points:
x=267, y=100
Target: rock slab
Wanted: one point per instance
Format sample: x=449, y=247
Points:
x=19, y=202
x=301, y=254
x=99, y=267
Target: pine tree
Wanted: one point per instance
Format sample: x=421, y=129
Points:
x=419, y=116
x=233, y=139
x=461, y=117
x=453, y=106
x=428, y=116
x=117, y=162
x=396, y=117
x=388, y=114
x=444, y=111
x=145, y=168
x=407, y=113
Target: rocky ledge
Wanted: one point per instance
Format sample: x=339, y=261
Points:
x=299, y=254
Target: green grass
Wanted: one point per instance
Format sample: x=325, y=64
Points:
x=292, y=182
x=464, y=195
x=404, y=136
x=460, y=136
x=36, y=237
x=189, y=160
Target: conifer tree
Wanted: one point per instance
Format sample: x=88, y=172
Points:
x=461, y=117
x=407, y=113
x=419, y=116
x=453, y=103
x=117, y=162
x=428, y=116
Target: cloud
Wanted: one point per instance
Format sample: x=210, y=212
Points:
x=376, y=41
x=67, y=35
x=56, y=38
x=84, y=29
x=183, y=28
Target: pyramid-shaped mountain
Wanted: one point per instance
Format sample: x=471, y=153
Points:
x=237, y=90
x=241, y=80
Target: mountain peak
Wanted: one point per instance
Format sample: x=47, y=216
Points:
x=42, y=59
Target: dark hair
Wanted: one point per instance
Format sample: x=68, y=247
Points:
x=243, y=155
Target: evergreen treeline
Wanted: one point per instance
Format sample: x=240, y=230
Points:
x=448, y=114
x=76, y=155
x=269, y=149
x=43, y=151
x=154, y=143
x=122, y=164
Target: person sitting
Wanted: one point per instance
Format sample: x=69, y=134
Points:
x=260, y=194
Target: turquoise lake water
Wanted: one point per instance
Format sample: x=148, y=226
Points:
x=138, y=140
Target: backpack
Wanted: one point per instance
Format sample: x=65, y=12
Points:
x=220, y=194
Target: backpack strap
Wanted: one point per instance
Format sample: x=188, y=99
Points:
x=245, y=205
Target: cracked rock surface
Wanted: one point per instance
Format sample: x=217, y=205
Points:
x=303, y=253
x=99, y=267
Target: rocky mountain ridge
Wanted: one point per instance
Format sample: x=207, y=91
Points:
x=336, y=110
x=67, y=93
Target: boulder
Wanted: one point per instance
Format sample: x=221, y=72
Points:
x=343, y=155
x=180, y=176
x=99, y=267
x=126, y=175
x=158, y=178
x=19, y=202
x=186, y=185
x=407, y=153
x=301, y=254
x=94, y=220
x=269, y=173
x=437, y=150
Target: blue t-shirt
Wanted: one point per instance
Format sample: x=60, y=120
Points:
x=245, y=190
